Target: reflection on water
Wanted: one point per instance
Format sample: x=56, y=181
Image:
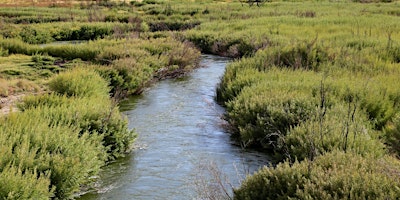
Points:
x=180, y=138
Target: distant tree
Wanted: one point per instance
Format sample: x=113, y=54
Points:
x=252, y=2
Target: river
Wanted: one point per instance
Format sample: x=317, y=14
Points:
x=182, y=150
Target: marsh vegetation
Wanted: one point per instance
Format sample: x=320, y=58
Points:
x=315, y=83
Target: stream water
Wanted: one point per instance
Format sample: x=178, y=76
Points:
x=182, y=150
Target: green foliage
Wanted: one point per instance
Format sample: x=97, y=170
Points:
x=16, y=183
x=3, y=52
x=172, y=25
x=340, y=127
x=265, y=111
x=33, y=36
x=392, y=135
x=87, y=32
x=61, y=151
x=91, y=115
x=300, y=56
x=71, y=52
x=62, y=138
x=80, y=82
x=133, y=63
x=88, y=108
x=15, y=46
x=45, y=62
x=336, y=175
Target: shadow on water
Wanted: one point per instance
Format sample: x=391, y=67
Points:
x=181, y=142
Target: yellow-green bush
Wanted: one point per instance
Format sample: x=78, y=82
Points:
x=17, y=183
x=31, y=142
x=335, y=175
x=80, y=82
x=87, y=108
x=340, y=127
x=63, y=137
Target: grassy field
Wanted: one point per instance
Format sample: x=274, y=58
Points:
x=315, y=83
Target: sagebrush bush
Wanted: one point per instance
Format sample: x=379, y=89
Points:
x=335, y=175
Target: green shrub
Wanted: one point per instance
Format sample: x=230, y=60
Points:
x=172, y=25
x=88, y=108
x=134, y=73
x=66, y=155
x=306, y=55
x=47, y=100
x=266, y=111
x=335, y=175
x=392, y=135
x=235, y=80
x=3, y=52
x=35, y=36
x=17, y=183
x=340, y=127
x=15, y=46
x=80, y=82
x=71, y=52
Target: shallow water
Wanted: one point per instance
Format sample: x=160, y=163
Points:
x=181, y=142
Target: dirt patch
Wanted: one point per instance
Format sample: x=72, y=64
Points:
x=8, y=104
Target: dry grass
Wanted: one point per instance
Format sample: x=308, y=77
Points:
x=3, y=88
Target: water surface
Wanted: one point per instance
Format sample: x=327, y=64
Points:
x=181, y=142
